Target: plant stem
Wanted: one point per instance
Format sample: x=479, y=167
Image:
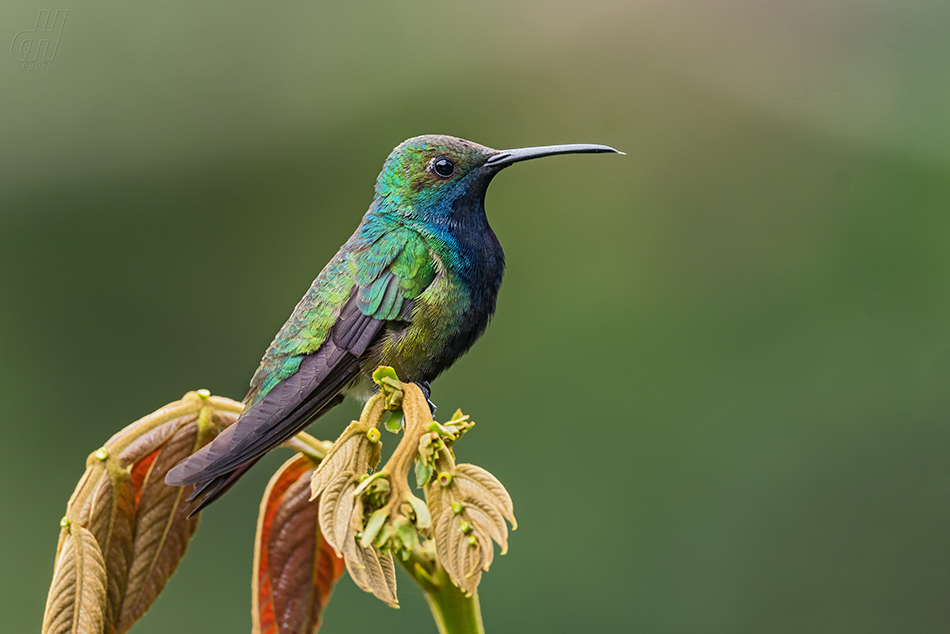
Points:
x=453, y=612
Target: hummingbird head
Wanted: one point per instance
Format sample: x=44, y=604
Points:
x=435, y=177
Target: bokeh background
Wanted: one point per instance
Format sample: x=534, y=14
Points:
x=718, y=381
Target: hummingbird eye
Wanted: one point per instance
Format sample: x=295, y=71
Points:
x=443, y=167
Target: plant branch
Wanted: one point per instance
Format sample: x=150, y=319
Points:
x=452, y=610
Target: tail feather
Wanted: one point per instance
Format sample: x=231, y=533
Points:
x=210, y=490
x=287, y=408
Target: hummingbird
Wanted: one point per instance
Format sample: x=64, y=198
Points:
x=413, y=288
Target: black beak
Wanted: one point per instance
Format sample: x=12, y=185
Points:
x=507, y=157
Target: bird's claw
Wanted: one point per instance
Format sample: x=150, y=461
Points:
x=427, y=392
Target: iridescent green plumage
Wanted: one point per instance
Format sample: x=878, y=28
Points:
x=412, y=288
x=385, y=273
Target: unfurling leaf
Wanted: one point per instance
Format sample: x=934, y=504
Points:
x=469, y=511
x=336, y=506
x=423, y=473
x=77, y=597
x=463, y=550
x=370, y=518
x=294, y=566
x=355, y=451
x=125, y=530
x=477, y=483
x=373, y=525
x=394, y=422
x=135, y=521
x=371, y=570
x=112, y=522
x=340, y=522
x=347, y=456
x=489, y=518
x=420, y=510
x=162, y=527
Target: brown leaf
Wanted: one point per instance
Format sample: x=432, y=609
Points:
x=80, y=502
x=147, y=442
x=340, y=517
x=463, y=561
x=77, y=598
x=487, y=518
x=389, y=577
x=112, y=522
x=475, y=558
x=294, y=567
x=341, y=458
x=162, y=527
x=475, y=482
x=352, y=452
x=442, y=542
x=436, y=501
x=336, y=501
x=121, y=475
x=371, y=570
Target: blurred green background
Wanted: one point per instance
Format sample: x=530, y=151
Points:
x=717, y=381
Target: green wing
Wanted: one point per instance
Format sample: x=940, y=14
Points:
x=382, y=278
x=315, y=356
x=402, y=269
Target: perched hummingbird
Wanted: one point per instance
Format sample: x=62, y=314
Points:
x=412, y=288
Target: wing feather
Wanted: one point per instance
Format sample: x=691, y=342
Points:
x=288, y=407
x=298, y=383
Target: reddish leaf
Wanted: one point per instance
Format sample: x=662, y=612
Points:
x=139, y=471
x=294, y=568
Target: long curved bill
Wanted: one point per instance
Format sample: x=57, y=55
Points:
x=507, y=157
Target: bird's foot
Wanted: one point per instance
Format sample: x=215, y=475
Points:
x=427, y=392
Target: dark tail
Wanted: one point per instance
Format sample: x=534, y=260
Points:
x=208, y=490
x=295, y=402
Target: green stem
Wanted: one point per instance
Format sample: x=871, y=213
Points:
x=453, y=612
x=456, y=614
